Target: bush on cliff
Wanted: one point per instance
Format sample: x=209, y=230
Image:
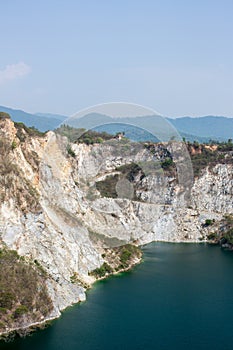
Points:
x=23, y=293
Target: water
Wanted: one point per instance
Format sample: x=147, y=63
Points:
x=180, y=297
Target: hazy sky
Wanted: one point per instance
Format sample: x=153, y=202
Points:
x=64, y=55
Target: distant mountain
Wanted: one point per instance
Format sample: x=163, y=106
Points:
x=211, y=127
x=200, y=139
x=132, y=132
x=145, y=128
x=52, y=116
x=151, y=128
x=138, y=134
x=42, y=123
x=201, y=129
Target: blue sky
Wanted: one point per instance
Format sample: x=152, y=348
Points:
x=173, y=56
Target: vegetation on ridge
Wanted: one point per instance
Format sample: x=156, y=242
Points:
x=4, y=115
x=23, y=293
x=203, y=155
x=81, y=135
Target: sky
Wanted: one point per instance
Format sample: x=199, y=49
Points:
x=174, y=56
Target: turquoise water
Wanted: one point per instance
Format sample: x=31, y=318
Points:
x=180, y=297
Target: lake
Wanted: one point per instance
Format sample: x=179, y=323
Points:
x=180, y=297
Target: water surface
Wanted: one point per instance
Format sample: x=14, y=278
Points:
x=180, y=297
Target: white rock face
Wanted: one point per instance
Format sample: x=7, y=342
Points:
x=59, y=235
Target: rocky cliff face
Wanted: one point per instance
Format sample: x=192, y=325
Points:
x=63, y=208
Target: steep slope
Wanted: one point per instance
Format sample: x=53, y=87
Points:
x=70, y=212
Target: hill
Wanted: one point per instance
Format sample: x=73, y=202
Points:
x=152, y=128
x=52, y=116
x=40, y=122
x=217, y=128
x=201, y=129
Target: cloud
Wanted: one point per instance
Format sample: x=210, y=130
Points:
x=14, y=71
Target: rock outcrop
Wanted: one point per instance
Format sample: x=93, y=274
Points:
x=63, y=208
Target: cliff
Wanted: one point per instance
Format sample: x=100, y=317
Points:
x=67, y=208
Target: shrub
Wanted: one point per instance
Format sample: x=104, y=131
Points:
x=127, y=253
x=23, y=131
x=212, y=236
x=167, y=163
x=6, y=299
x=70, y=151
x=125, y=256
x=3, y=310
x=21, y=310
x=208, y=222
x=228, y=236
x=102, y=271
x=13, y=145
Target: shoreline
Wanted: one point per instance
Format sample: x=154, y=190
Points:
x=114, y=273
x=26, y=330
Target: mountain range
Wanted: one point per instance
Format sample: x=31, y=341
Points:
x=201, y=129
x=41, y=121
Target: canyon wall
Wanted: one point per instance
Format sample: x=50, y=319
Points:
x=62, y=208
